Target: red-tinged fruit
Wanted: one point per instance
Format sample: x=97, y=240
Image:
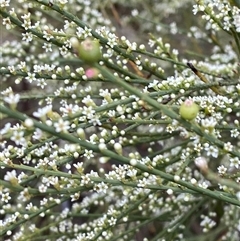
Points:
x=89, y=51
x=188, y=110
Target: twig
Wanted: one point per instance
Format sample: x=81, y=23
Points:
x=215, y=89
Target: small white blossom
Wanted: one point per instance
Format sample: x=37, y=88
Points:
x=211, y=150
x=61, y=125
x=207, y=223
x=234, y=133
x=88, y=154
x=42, y=112
x=101, y=187
x=4, y=3
x=84, y=33
x=222, y=169
x=42, y=188
x=228, y=147
x=18, y=138
x=27, y=37
x=112, y=221
x=7, y=23
x=47, y=35
x=11, y=177
x=31, y=77
x=235, y=162
x=47, y=47
x=12, y=99
x=62, y=1
x=236, y=22
x=5, y=197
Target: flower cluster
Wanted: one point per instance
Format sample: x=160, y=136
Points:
x=102, y=145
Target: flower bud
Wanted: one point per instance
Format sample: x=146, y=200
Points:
x=201, y=163
x=92, y=73
x=118, y=148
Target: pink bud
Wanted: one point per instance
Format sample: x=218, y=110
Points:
x=92, y=73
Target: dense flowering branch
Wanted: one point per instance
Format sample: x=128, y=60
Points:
x=120, y=123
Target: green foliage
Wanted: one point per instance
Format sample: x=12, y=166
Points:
x=98, y=145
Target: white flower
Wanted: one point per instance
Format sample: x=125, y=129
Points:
x=211, y=150
x=75, y=196
x=236, y=22
x=195, y=9
x=101, y=187
x=4, y=3
x=235, y=162
x=47, y=47
x=79, y=167
x=5, y=129
x=61, y=125
x=63, y=1
x=84, y=33
x=85, y=180
x=11, y=177
x=31, y=77
x=37, y=135
x=41, y=82
x=207, y=223
x=18, y=138
x=88, y=112
x=209, y=122
x=88, y=154
x=47, y=35
x=95, y=120
x=12, y=99
x=43, y=111
x=27, y=37
x=5, y=197
x=112, y=221
x=42, y=188
x=228, y=147
x=222, y=169
x=234, y=133
x=7, y=23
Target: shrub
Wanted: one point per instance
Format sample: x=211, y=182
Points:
x=95, y=146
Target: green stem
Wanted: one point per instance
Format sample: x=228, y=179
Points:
x=31, y=216
x=122, y=159
x=190, y=126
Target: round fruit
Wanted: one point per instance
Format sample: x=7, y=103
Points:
x=188, y=110
x=89, y=51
